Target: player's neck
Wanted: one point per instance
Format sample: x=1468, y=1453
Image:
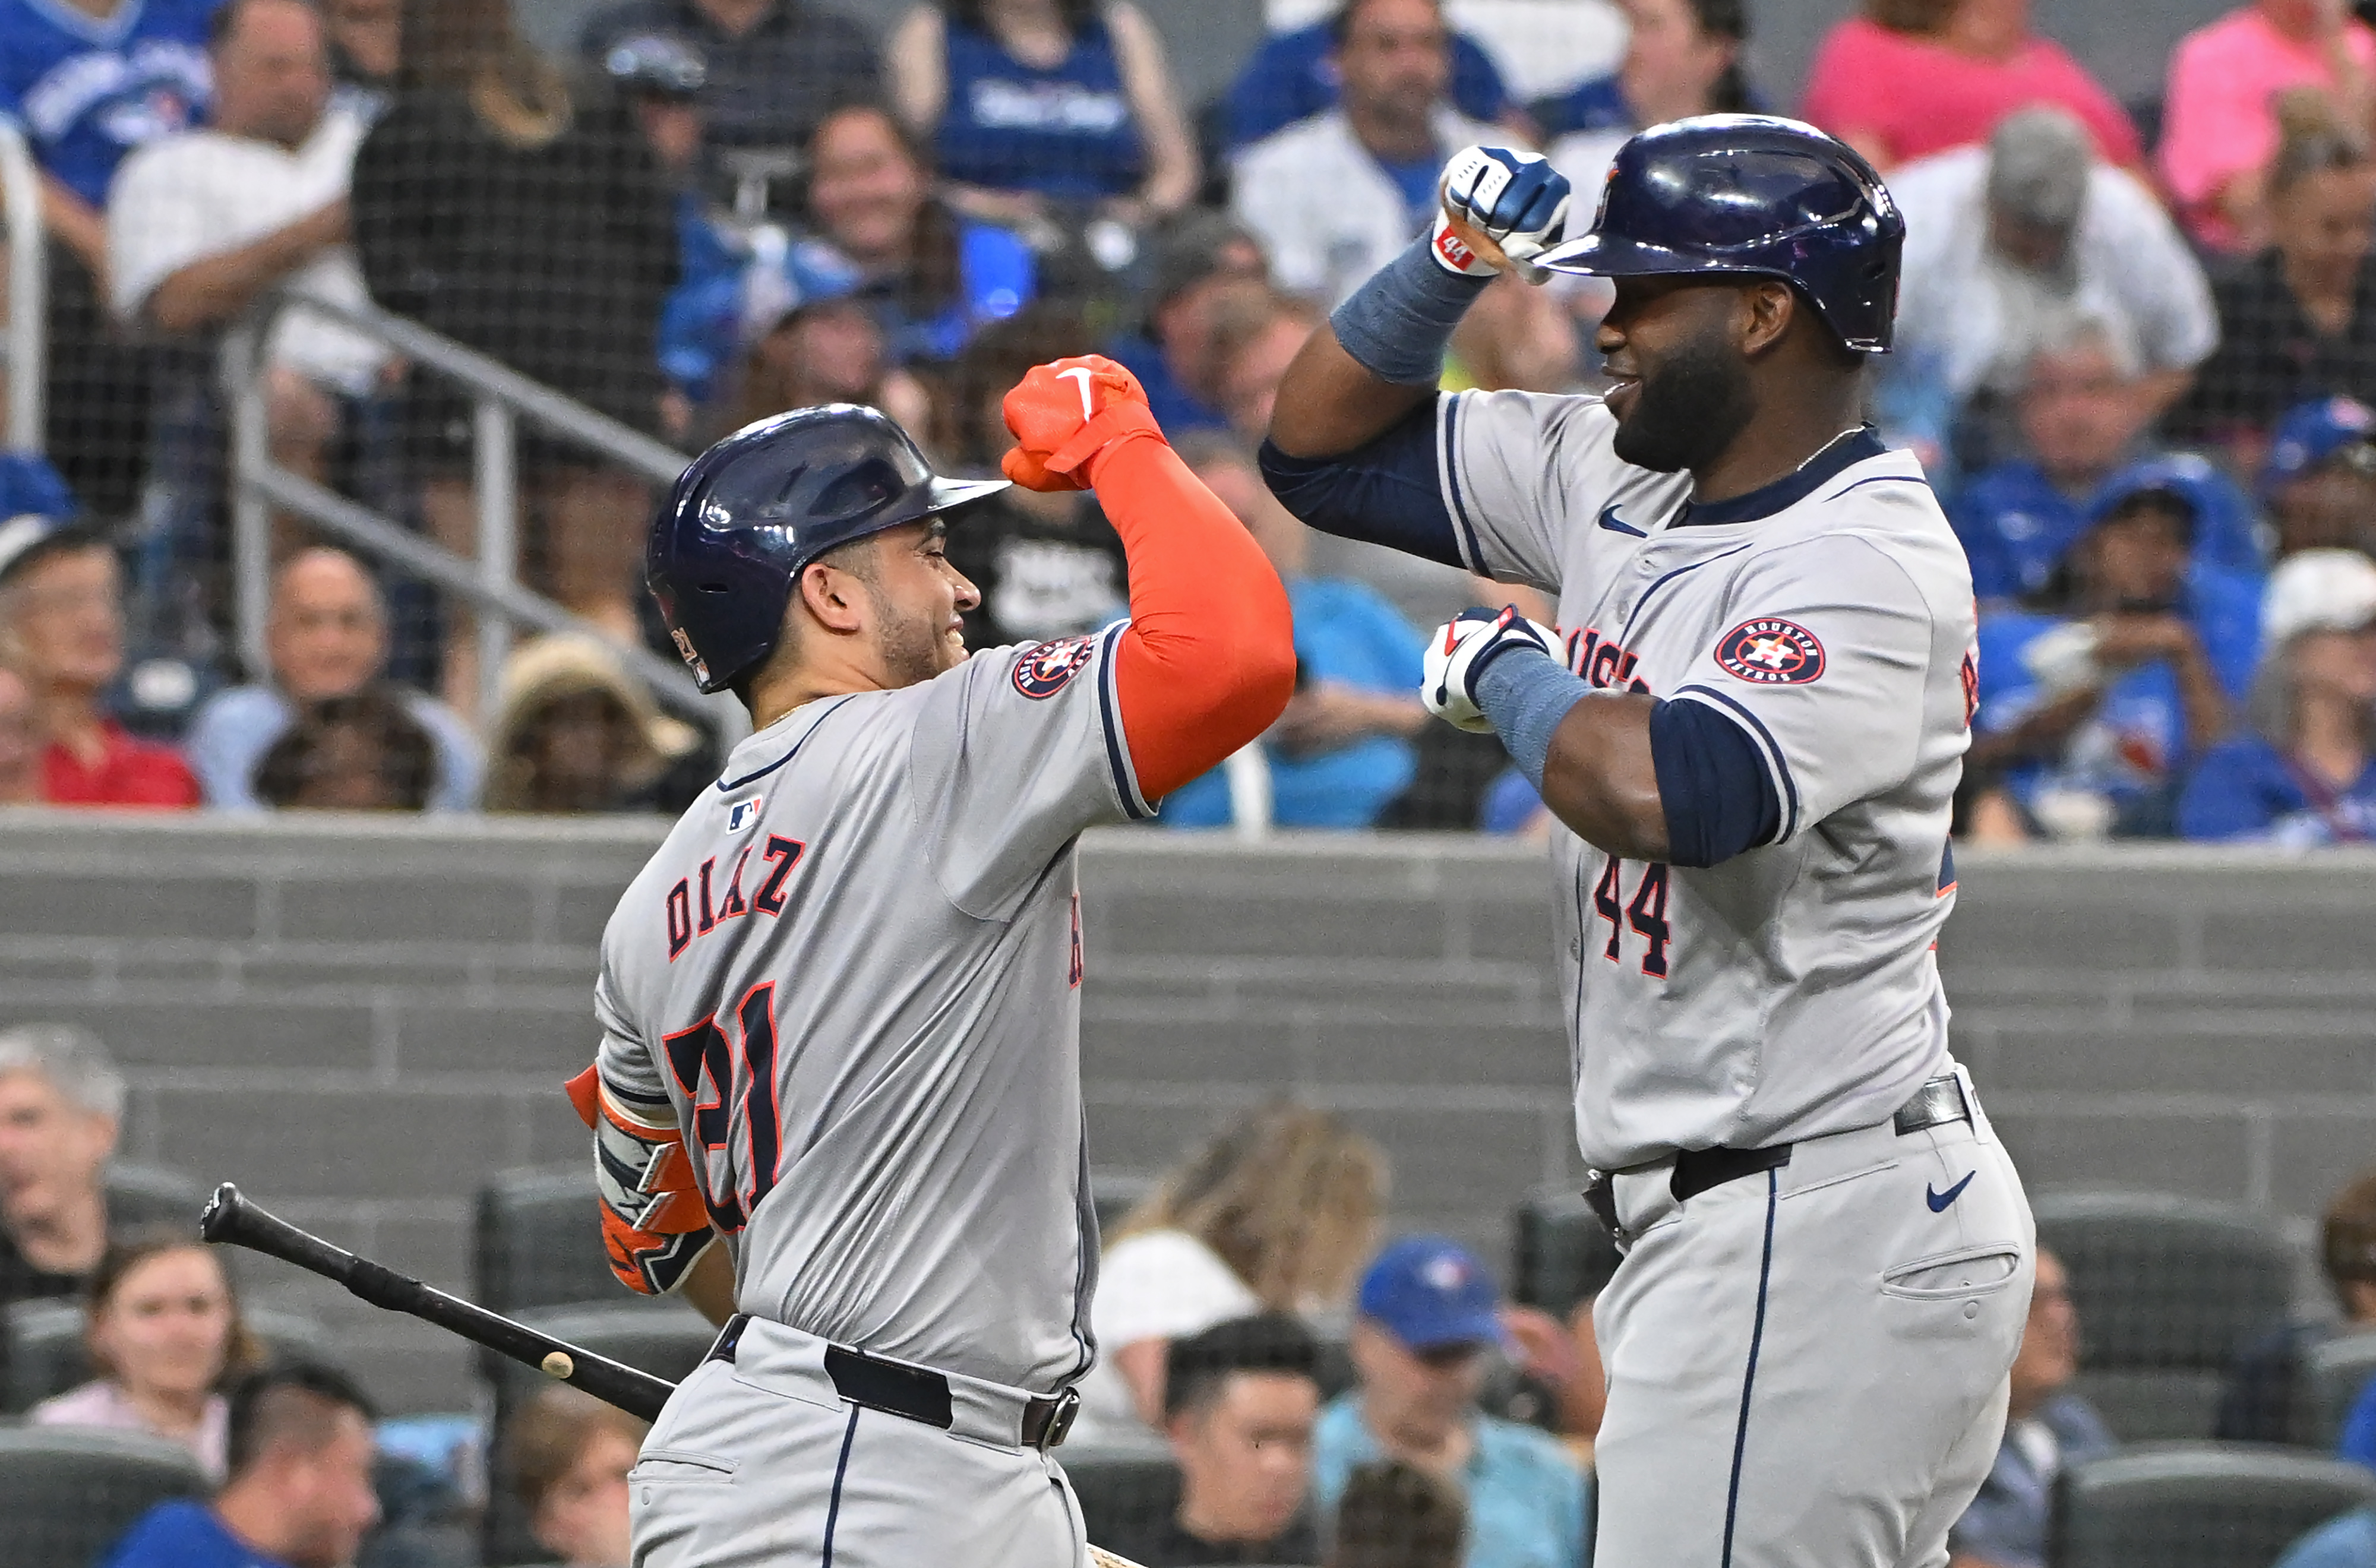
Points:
x=1778, y=443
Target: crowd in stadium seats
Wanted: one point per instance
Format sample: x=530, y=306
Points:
x=720, y=208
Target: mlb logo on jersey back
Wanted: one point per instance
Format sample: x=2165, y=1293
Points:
x=1771, y=652
x=1041, y=672
x=742, y=814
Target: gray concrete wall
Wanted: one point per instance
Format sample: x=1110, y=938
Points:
x=359, y=1022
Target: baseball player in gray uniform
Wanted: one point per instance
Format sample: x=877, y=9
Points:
x=1748, y=725
x=840, y=1067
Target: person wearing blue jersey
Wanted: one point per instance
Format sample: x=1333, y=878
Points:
x=2319, y=479
x=1174, y=353
x=1682, y=58
x=2305, y=774
x=1037, y=106
x=1294, y=75
x=2091, y=712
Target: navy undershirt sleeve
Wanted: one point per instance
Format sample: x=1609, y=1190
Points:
x=1717, y=795
x=1389, y=492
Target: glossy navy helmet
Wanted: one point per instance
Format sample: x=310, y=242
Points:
x=1756, y=195
x=761, y=504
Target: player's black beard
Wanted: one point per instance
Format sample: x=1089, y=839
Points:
x=1689, y=411
x=912, y=644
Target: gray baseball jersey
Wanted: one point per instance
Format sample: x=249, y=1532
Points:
x=853, y=971
x=1791, y=991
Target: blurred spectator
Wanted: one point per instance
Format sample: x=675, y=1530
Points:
x=2349, y=1541
x=2092, y=709
x=1913, y=78
x=1257, y=332
x=366, y=42
x=1276, y=1212
x=300, y=1489
x=496, y=208
x=575, y=733
x=2265, y=1381
x=2298, y=320
x=1429, y=1316
x=1342, y=751
x=61, y=627
x=1396, y=1516
x=1514, y=337
x=2006, y=240
x=27, y=483
x=1682, y=58
x=326, y=637
x=776, y=67
x=1335, y=197
x=87, y=81
x=2319, y=480
x=659, y=79
x=2079, y=416
x=202, y=224
x=1196, y=259
x=1294, y=75
x=61, y=1099
x=165, y=1335
x=827, y=352
x=567, y=1456
x=2302, y=775
x=2048, y=1429
x=1036, y=105
x=1238, y=1407
x=2220, y=114
x=20, y=745
x=932, y=277
x=360, y=753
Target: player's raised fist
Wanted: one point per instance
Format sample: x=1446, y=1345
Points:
x=1461, y=649
x=1064, y=414
x=1500, y=208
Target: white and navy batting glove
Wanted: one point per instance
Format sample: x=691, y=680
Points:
x=1516, y=199
x=1461, y=649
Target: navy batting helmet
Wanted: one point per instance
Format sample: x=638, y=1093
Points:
x=1756, y=195
x=761, y=504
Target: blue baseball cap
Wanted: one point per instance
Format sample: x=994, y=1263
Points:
x=1430, y=1291
x=2309, y=435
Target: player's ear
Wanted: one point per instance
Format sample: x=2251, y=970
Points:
x=1768, y=309
x=833, y=598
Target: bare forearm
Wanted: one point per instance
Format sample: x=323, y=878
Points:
x=1329, y=404
x=709, y=1284
x=1599, y=778
x=2204, y=703
x=212, y=291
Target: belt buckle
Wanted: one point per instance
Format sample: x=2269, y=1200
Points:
x=1060, y=1420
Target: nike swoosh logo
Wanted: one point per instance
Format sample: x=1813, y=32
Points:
x=1614, y=524
x=1939, y=1200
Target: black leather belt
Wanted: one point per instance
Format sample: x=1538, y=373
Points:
x=918, y=1393
x=1937, y=1103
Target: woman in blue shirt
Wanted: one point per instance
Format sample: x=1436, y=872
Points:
x=2306, y=775
x=1031, y=106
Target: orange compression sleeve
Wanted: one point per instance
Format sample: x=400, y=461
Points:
x=1209, y=662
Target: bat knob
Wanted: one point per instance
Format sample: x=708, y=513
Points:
x=556, y=1363
x=214, y=1224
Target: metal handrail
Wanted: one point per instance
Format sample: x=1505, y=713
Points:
x=29, y=284
x=502, y=397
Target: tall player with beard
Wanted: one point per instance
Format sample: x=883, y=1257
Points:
x=1748, y=725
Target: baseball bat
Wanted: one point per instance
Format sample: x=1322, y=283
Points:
x=232, y=1221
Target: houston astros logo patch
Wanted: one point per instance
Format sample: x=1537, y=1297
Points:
x=1771, y=652
x=1041, y=672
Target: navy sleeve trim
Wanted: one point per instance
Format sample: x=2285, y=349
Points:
x=1125, y=777
x=1776, y=763
x=1714, y=786
x=1389, y=492
x=1473, y=553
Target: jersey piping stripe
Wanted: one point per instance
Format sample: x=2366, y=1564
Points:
x=726, y=787
x=1469, y=548
x=1749, y=1378
x=1626, y=636
x=1125, y=780
x=1775, y=757
x=1877, y=479
x=840, y=1469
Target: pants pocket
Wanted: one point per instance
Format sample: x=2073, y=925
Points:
x=681, y=1466
x=1967, y=1273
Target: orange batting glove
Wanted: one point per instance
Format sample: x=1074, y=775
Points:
x=1066, y=415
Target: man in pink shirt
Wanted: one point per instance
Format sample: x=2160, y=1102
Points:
x=1912, y=77
x=2220, y=126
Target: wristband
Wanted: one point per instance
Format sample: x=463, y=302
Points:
x=1525, y=696
x=1398, y=324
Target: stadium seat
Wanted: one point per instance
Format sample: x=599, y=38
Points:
x=2166, y=1288
x=1560, y=1252
x=2197, y=1505
x=149, y=1194
x=538, y=1241
x=1121, y=1483
x=68, y=1494
x=2333, y=1373
x=45, y=1355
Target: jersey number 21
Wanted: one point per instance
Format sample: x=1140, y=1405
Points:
x=717, y=1085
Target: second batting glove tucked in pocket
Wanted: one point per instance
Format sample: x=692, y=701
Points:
x=1461, y=649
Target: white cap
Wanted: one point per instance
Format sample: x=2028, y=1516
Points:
x=2318, y=590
